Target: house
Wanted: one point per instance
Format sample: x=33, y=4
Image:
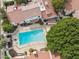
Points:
x=73, y=7
x=41, y=8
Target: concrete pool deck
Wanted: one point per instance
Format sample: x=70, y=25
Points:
x=37, y=46
x=41, y=55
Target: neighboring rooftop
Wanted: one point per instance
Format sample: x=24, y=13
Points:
x=49, y=12
x=73, y=5
x=39, y=8
x=68, y=5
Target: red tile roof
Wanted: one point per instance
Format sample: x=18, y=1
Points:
x=68, y=5
x=17, y=16
x=72, y=5
x=50, y=12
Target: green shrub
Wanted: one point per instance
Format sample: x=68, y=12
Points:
x=24, y=1
x=8, y=27
x=9, y=3
x=2, y=42
x=58, y=4
x=3, y=14
x=21, y=1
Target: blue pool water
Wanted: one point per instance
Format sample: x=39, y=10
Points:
x=31, y=36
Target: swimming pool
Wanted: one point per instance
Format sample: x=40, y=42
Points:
x=31, y=36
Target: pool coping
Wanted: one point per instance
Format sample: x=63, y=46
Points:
x=45, y=41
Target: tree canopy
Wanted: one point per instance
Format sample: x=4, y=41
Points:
x=6, y=26
x=8, y=3
x=63, y=38
x=21, y=1
x=58, y=4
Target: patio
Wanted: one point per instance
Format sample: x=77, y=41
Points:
x=39, y=45
x=41, y=55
